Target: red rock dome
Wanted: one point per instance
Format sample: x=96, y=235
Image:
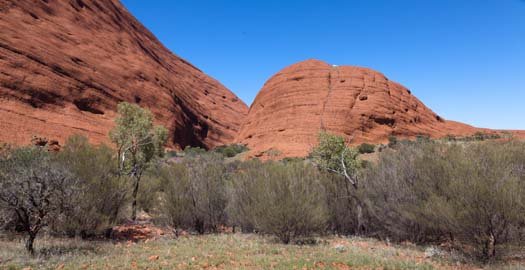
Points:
x=65, y=64
x=358, y=103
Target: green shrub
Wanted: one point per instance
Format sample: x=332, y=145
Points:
x=431, y=191
x=284, y=200
x=231, y=150
x=392, y=141
x=366, y=148
x=423, y=138
x=151, y=191
x=195, y=193
x=194, y=151
x=343, y=205
x=104, y=194
x=450, y=138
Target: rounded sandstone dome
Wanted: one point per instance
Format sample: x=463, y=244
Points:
x=358, y=103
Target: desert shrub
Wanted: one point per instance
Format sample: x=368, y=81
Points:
x=194, y=151
x=231, y=150
x=484, y=201
x=450, y=138
x=241, y=201
x=431, y=191
x=366, y=148
x=423, y=138
x=482, y=136
x=392, y=141
x=394, y=189
x=195, y=193
x=284, y=200
x=35, y=189
x=152, y=189
x=343, y=205
x=332, y=156
x=104, y=192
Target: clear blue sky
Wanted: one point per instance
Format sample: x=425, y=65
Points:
x=465, y=59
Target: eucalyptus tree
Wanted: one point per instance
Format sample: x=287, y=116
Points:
x=138, y=143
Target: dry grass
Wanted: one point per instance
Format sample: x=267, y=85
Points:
x=226, y=251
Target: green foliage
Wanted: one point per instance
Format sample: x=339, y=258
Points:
x=433, y=191
x=231, y=150
x=450, y=138
x=366, y=148
x=333, y=155
x=138, y=142
x=481, y=136
x=151, y=191
x=344, y=206
x=195, y=193
x=342, y=202
x=194, y=151
x=423, y=138
x=104, y=194
x=285, y=200
x=392, y=140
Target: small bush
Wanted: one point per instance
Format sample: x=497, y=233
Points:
x=193, y=151
x=481, y=136
x=343, y=205
x=285, y=200
x=366, y=148
x=423, y=138
x=195, y=193
x=104, y=193
x=231, y=150
x=432, y=191
x=392, y=141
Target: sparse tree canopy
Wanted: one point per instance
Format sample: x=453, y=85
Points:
x=138, y=143
x=333, y=155
x=34, y=189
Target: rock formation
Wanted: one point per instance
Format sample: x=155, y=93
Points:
x=358, y=103
x=65, y=64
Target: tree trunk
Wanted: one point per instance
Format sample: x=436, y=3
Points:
x=199, y=226
x=360, y=225
x=29, y=243
x=135, y=194
x=489, y=250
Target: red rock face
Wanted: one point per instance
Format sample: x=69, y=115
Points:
x=358, y=103
x=65, y=64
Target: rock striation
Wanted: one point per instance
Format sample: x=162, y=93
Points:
x=358, y=103
x=65, y=65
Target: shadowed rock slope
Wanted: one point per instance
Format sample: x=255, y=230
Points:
x=358, y=103
x=65, y=64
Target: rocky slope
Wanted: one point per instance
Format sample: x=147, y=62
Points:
x=65, y=64
x=358, y=103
